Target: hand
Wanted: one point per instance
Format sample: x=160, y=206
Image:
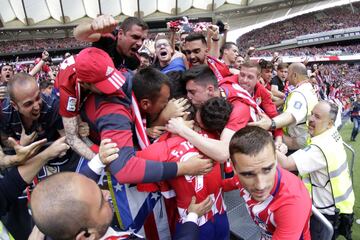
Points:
x=44, y=55
x=213, y=31
x=281, y=147
x=104, y=24
x=176, y=125
x=83, y=129
x=155, y=132
x=108, y=151
x=196, y=165
x=56, y=149
x=24, y=153
x=264, y=122
x=200, y=208
x=36, y=234
x=3, y=92
x=174, y=108
x=27, y=139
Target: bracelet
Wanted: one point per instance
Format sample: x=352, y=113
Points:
x=215, y=40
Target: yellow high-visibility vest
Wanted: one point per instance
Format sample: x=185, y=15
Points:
x=4, y=234
x=310, y=97
x=331, y=145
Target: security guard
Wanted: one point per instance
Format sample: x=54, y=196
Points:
x=323, y=167
x=297, y=109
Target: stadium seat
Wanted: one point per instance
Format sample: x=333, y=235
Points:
x=320, y=227
x=350, y=160
x=241, y=224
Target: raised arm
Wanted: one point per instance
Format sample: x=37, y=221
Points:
x=91, y=31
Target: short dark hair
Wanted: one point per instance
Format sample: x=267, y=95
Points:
x=250, y=141
x=145, y=55
x=196, y=36
x=45, y=84
x=282, y=66
x=6, y=64
x=215, y=114
x=251, y=64
x=147, y=83
x=200, y=74
x=177, y=85
x=266, y=64
x=21, y=79
x=127, y=24
x=225, y=46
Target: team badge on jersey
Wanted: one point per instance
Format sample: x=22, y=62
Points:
x=297, y=105
x=71, y=104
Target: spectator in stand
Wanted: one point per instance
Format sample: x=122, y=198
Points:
x=122, y=47
x=89, y=214
x=238, y=62
x=167, y=58
x=46, y=87
x=228, y=53
x=355, y=118
x=266, y=73
x=278, y=84
x=145, y=60
x=7, y=72
x=28, y=115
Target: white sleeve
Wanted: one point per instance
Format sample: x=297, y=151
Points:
x=192, y=217
x=309, y=159
x=96, y=165
x=297, y=106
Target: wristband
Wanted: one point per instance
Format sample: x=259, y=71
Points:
x=273, y=125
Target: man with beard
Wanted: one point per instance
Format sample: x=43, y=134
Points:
x=197, y=53
x=28, y=115
x=122, y=46
x=324, y=170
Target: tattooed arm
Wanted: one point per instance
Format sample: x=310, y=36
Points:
x=71, y=126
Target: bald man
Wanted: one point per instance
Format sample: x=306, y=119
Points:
x=297, y=108
x=71, y=206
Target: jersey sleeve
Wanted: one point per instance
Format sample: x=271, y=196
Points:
x=292, y=219
x=114, y=121
x=66, y=82
x=239, y=116
x=297, y=106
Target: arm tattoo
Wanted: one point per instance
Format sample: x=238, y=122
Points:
x=72, y=137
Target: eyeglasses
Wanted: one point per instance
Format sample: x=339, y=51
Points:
x=158, y=45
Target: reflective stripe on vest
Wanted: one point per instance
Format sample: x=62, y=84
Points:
x=310, y=98
x=4, y=234
x=331, y=145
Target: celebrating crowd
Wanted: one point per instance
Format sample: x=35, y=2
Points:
x=127, y=140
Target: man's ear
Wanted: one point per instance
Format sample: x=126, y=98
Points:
x=210, y=89
x=86, y=235
x=145, y=104
x=120, y=33
x=13, y=104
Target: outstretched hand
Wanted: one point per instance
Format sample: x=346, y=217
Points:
x=23, y=153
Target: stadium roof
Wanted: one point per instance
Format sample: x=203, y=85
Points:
x=37, y=13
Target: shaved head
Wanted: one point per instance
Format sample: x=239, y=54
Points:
x=298, y=68
x=68, y=203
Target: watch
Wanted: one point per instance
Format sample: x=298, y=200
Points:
x=273, y=125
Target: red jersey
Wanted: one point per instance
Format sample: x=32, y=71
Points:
x=244, y=107
x=285, y=214
x=177, y=149
x=262, y=98
x=69, y=88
